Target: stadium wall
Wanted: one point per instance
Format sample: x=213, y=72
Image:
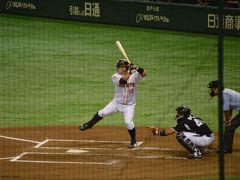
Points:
x=138, y=13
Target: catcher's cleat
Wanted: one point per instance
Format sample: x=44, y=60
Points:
x=203, y=150
x=195, y=156
x=85, y=127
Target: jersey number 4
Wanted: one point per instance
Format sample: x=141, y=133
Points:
x=197, y=121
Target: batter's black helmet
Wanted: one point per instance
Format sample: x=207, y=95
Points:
x=183, y=110
x=213, y=84
x=122, y=63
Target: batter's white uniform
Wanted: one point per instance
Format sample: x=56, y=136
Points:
x=124, y=100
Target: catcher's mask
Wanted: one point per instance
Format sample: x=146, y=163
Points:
x=122, y=63
x=183, y=111
x=212, y=85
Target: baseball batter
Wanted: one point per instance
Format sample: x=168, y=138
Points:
x=125, y=81
x=231, y=101
x=191, y=132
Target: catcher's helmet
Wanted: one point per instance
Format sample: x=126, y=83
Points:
x=183, y=110
x=213, y=84
x=122, y=63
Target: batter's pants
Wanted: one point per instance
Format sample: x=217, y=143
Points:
x=114, y=107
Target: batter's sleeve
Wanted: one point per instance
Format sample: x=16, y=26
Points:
x=137, y=76
x=116, y=78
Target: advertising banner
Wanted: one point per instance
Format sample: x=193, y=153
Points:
x=153, y=15
x=201, y=19
x=25, y=7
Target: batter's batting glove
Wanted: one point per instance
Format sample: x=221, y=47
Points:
x=132, y=67
x=154, y=130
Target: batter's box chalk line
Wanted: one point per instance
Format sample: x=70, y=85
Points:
x=19, y=139
x=91, y=141
x=7, y=158
x=108, y=162
x=128, y=155
x=41, y=144
x=18, y=159
x=81, y=151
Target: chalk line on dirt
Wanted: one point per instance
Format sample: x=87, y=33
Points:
x=19, y=139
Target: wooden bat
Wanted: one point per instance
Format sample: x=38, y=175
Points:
x=122, y=50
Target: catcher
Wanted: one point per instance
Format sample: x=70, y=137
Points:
x=191, y=132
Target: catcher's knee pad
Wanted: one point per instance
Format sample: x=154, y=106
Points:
x=187, y=143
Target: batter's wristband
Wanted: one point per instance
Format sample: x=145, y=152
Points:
x=140, y=70
x=162, y=133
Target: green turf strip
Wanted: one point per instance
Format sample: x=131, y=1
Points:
x=55, y=72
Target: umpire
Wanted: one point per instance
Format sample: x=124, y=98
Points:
x=231, y=101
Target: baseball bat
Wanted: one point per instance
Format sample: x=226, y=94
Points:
x=119, y=45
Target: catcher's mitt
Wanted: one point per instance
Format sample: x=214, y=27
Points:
x=155, y=130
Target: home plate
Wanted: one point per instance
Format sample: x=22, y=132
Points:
x=77, y=151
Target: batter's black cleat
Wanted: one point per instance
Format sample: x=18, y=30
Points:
x=84, y=127
x=133, y=145
x=90, y=123
x=195, y=156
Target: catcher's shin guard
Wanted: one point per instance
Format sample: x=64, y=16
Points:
x=90, y=123
x=188, y=144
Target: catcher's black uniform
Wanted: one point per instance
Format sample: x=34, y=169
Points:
x=193, y=134
x=192, y=124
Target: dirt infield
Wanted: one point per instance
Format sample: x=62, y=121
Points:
x=102, y=153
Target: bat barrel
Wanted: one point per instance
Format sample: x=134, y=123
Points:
x=119, y=45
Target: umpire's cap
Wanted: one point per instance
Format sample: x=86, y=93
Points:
x=122, y=63
x=213, y=84
x=183, y=110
